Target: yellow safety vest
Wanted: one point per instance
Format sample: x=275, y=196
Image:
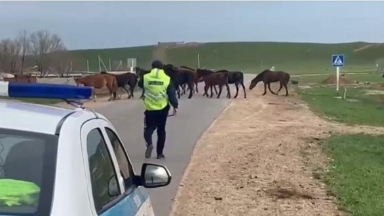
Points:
x=155, y=89
x=16, y=192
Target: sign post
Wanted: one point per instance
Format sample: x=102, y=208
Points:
x=338, y=61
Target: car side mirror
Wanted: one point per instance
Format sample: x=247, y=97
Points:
x=113, y=187
x=154, y=175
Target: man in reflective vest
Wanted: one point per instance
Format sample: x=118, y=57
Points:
x=159, y=92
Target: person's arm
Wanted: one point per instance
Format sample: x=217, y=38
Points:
x=171, y=92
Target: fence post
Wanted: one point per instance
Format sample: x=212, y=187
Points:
x=98, y=59
x=87, y=66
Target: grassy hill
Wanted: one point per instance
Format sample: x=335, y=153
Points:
x=249, y=56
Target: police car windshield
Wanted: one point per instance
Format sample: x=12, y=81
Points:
x=26, y=172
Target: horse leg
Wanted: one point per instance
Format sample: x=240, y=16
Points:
x=211, y=91
x=142, y=94
x=197, y=88
x=215, y=89
x=119, y=93
x=228, y=90
x=125, y=87
x=237, y=89
x=286, y=89
x=112, y=92
x=242, y=84
x=220, y=89
x=178, y=91
x=112, y=96
x=281, y=86
x=183, y=87
x=265, y=88
x=131, y=89
x=190, y=86
x=269, y=87
x=206, y=87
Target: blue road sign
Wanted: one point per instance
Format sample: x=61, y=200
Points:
x=338, y=60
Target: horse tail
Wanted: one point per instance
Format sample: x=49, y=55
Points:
x=114, y=84
x=288, y=77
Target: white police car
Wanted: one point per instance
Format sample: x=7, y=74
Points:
x=57, y=161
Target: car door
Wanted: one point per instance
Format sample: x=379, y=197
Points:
x=103, y=173
x=138, y=197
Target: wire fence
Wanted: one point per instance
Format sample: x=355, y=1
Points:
x=104, y=64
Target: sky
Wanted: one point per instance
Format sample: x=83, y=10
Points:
x=88, y=25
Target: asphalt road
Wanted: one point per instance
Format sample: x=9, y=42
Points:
x=194, y=117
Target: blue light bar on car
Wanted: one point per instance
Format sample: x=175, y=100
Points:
x=45, y=91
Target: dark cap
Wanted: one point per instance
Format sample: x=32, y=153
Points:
x=157, y=64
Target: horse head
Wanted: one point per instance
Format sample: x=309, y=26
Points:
x=258, y=78
x=141, y=72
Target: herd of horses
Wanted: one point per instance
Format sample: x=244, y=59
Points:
x=185, y=79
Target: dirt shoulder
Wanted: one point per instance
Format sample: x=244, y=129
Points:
x=258, y=158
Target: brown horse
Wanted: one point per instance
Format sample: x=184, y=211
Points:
x=179, y=77
x=237, y=78
x=268, y=77
x=140, y=72
x=124, y=80
x=196, y=78
x=99, y=81
x=211, y=79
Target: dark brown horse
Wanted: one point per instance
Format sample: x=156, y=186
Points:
x=268, y=77
x=211, y=79
x=99, y=81
x=179, y=78
x=235, y=77
x=124, y=80
x=202, y=72
x=140, y=74
x=196, y=78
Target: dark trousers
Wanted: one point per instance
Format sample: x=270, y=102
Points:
x=156, y=120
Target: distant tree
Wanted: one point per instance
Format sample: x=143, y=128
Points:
x=23, y=40
x=9, y=54
x=61, y=62
x=42, y=43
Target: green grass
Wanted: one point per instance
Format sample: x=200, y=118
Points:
x=356, y=176
x=361, y=77
x=296, y=58
x=359, y=108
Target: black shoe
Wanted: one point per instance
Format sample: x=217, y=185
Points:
x=160, y=156
x=148, y=152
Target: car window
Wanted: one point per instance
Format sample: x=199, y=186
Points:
x=101, y=168
x=26, y=174
x=122, y=159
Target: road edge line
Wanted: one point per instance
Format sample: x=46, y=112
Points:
x=187, y=169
